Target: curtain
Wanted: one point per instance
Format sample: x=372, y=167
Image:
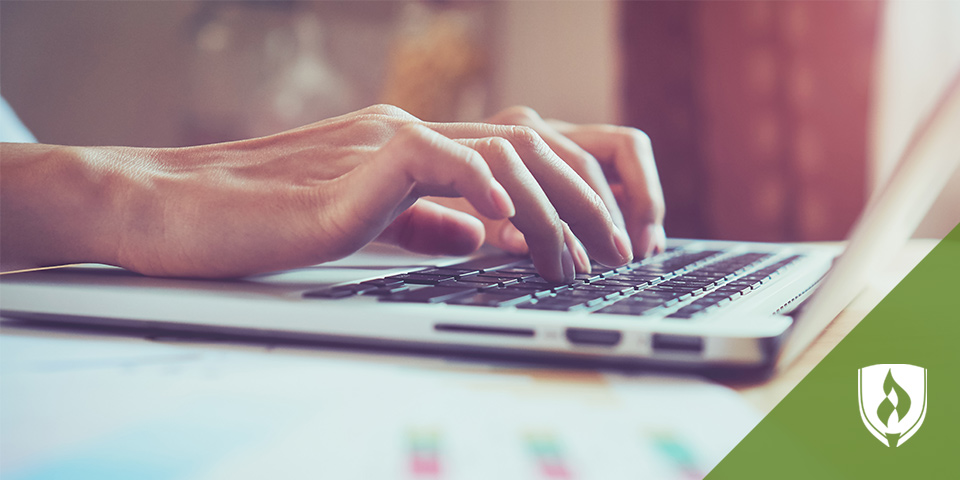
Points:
x=758, y=112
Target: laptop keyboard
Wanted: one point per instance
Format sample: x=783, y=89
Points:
x=679, y=284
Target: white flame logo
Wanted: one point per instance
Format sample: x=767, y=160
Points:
x=893, y=401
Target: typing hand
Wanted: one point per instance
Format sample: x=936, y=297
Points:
x=616, y=162
x=305, y=196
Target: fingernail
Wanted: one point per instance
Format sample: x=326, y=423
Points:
x=566, y=262
x=583, y=260
x=501, y=200
x=513, y=240
x=623, y=244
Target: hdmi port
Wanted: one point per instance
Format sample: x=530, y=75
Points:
x=593, y=337
x=677, y=343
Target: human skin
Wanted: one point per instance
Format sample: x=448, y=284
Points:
x=557, y=191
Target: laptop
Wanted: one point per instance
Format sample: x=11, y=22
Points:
x=700, y=304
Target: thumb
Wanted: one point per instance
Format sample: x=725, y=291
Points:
x=433, y=229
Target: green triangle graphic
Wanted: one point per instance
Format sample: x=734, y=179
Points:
x=816, y=431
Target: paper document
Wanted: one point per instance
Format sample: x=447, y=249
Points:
x=112, y=409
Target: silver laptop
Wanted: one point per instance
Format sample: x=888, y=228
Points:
x=700, y=304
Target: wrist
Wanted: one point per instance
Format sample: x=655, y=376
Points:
x=62, y=204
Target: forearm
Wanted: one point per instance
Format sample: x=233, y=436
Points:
x=311, y=195
x=58, y=205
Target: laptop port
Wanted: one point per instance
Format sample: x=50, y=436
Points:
x=593, y=337
x=484, y=330
x=677, y=343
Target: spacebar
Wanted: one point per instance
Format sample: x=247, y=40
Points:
x=429, y=294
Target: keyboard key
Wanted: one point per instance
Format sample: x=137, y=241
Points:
x=363, y=287
x=588, y=277
x=584, y=295
x=704, y=277
x=383, y=282
x=711, y=299
x=387, y=290
x=605, y=289
x=691, y=282
x=634, y=279
x=429, y=294
x=502, y=274
x=655, y=295
x=614, y=283
x=688, y=311
x=421, y=278
x=729, y=289
x=553, y=303
x=530, y=289
x=447, y=271
x=475, y=283
x=654, y=271
x=491, y=298
x=664, y=290
x=685, y=259
x=489, y=277
x=596, y=301
x=623, y=308
x=541, y=283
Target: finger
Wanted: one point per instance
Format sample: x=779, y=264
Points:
x=659, y=239
x=432, y=229
x=511, y=239
x=505, y=235
x=535, y=215
x=499, y=233
x=574, y=200
x=576, y=157
x=629, y=152
x=415, y=162
x=579, y=258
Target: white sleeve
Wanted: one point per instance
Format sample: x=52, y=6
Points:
x=11, y=128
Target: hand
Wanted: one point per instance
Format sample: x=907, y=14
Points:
x=301, y=197
x=617, y=163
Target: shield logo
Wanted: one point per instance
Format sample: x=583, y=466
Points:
x=893, y=401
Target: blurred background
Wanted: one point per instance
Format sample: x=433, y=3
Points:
x=770, y=121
